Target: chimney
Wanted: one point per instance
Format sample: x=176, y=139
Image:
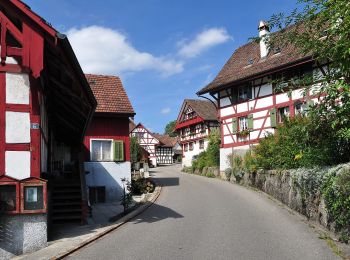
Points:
x=264, y=31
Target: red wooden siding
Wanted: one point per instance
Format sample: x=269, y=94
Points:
x=116, y=128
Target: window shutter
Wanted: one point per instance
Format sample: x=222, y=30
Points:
x=118, y=151
x=273, y=117
x=234, y=125
x=250, y=121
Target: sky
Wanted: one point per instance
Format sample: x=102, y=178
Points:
x=163, y=50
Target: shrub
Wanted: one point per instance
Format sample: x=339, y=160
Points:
x=301, y=142
x=250, y=162
x=336, y=191
x=141, y=186
x=228, y=173
x=210, y=175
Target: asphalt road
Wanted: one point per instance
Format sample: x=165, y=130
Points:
x=201, y=218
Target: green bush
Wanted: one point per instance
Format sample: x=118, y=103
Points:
x=210, y=157
x=336, y=192
x=301, y=142
x=210, y=175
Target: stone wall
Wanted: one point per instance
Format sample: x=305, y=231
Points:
x=299, y=189
x=20, y=234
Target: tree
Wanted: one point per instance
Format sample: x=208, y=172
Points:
x=322, y=28
x=169, y=129
x=135, y=150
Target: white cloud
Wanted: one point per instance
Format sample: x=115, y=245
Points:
x=203, y=41
x=106, y=51
x=165, y=111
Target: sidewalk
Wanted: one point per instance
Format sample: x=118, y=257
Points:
x=68, y=239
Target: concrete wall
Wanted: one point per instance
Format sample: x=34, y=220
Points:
x=20, y=234
x=108, y=174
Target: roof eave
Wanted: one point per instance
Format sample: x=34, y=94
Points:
x=253, y=76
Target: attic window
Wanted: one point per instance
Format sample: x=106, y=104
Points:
x=92, y=82
x=276, y=50
x=250, y=61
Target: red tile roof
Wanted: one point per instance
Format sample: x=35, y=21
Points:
x=237, y=68
x=110, y=95
x=166, y=140
x=204, y=108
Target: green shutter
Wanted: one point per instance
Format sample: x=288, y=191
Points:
x=118, y=151
x=250, y=122
x=273, y=117
x=234, y=125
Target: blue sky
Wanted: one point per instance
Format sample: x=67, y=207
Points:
x=164, y=51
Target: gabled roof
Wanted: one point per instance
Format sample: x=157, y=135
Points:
x=166, y=140
x=110, y=95
x=238, y=67
x=204, y=108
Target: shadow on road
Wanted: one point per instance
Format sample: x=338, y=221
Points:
x=167, y=181
x=156, y=213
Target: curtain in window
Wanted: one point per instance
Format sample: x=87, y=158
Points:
x=106, y=150
x=101, y=150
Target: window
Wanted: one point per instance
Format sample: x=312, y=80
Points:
x=33, y=197
x=186, y=147
x=140, y=135
x=201, y=144
x=300, y=108
x=243, y=123
x=7, y=198
x=191, y=146
x=241, y=94
x=101, y=150
x=283, y=112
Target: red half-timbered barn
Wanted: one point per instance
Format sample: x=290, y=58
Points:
x=45, y=107
x=195, y=121
x=107, y=141
x=249, y=96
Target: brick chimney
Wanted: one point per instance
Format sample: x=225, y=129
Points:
x=264, y=31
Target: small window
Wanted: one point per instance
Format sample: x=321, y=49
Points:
x=243, y=123
x=276, y=50
x=191, y=146
x=201, y=144
x=33, y=197
x=299, y=108
x=7, y=198
x=186, y=147
x=250, y=61
x=283, y=112
x=244, y=93
x=101, y=150
x=140, y=135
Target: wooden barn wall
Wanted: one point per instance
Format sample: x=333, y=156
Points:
x=108, y=128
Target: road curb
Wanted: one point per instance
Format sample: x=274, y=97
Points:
x=120, y=223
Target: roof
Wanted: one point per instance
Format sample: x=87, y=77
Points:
x=166, y=140
x=204, y=108
x=110, y=95
x=237, y=67
x=132, y=125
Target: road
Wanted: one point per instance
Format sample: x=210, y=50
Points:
x=202, y=218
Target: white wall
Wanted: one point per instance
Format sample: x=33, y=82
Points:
x=224, y=152
x=187, y=159
x=17, y=164
x=108, y=174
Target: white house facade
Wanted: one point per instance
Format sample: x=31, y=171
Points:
x=255, y=90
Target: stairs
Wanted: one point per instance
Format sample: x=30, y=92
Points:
x=66, y=202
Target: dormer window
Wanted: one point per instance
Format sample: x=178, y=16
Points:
x=250, y=61
x=276, y=50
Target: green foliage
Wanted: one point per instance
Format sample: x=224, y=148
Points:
x=321, y=28
x=210, y=175
x=210, y=157
x=169, y=129
x=135, y=150
x=141, y=186
x=250, y=162
x=336, y=191
x=301, y=142
x=213, y=150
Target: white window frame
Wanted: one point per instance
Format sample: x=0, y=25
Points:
x=102, y=139
x=243, y=123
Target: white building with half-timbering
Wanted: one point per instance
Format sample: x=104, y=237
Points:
x=255, y=89
x=195, y=121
